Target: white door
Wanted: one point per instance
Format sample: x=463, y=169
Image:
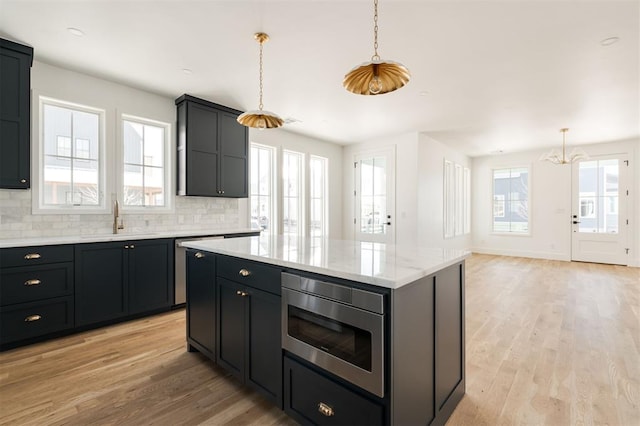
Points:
x=374, y=176
x=599, y=210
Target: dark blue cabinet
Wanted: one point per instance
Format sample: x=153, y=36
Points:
x=212, y=150
x=201, y=302
x=15, y=114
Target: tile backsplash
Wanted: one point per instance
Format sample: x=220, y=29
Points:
x=191, y=213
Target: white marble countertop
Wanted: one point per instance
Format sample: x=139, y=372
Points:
x=384, y=265
x=98, y=238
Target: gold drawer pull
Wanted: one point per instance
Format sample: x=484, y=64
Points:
x=31, y=256
x=32, y=282
x=32, y=318
x=199, y=255
x=244, y=272
x=242, y=293
x=325, y=410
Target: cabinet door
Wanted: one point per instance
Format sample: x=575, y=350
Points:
x=449, y=331
x=264, y=367
x=201, y=300
x=101, y=282
x=150, y=275
x=202, y=150
x=231, y=327
x=234, y=158
x=15, y=120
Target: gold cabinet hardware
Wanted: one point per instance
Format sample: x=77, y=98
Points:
x=199, y=255
x=132, y=246
x=32, y=318
x=126, y=247
x=23, y=181
x=325, y=410
x=242, y=293
x=32, y=256
x=32, y=282
x=244, y=272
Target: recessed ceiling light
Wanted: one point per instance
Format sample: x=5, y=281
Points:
x=609, y=41
x=76, y=32
x=187, y=71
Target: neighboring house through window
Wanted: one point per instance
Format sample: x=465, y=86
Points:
x=511, y=200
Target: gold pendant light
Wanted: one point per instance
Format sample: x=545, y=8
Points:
x=260, y=119
x=378, y=76
x=556, y=157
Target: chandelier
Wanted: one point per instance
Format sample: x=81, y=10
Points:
x=557, y=157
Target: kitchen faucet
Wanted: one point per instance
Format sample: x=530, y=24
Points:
x=116, y=216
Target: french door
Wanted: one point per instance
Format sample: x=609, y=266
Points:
x=599, y=210
x=374, y=183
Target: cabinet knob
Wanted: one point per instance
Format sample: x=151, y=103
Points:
x=244, y=272
x=242, y=293
x=32, y=318
x=23, y=181
x=325, y=409
x=126, y=247
x=199, y=255
x=32, y=282
x=132, y=246
x=32, y=256
x=223, y=192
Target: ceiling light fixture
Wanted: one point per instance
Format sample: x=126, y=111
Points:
x=556, y=157
x=259, y=118
x=378, y=76
x=609, y=41
x=76, y=32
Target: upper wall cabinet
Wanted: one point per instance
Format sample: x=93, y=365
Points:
x=212, y=150
x=15, y=114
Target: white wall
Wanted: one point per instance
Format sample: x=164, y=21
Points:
x=418, y=189
x=550, y=206
x=282, y=139
x=190, y=213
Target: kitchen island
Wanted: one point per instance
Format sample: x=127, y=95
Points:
x=333, y=331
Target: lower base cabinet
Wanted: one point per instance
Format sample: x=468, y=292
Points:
x=28, y=320
x=201, y=302
x=311, y=398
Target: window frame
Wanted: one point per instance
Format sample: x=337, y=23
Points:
x=528, y=233
x=168, y=166
x=324, y=198
x=37, y=194
x=302, y=193
x=274, y=224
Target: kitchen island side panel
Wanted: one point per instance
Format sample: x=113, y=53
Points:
x=417, y=373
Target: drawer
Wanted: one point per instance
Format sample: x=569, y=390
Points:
x=32, y=283
x=36, y=255
x=309, y=394
x=18, y=322
x=257, y=275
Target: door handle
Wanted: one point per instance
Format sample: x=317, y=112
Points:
x=576, y=221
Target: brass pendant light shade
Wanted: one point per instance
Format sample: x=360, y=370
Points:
x=378, y=76
x=260, y=119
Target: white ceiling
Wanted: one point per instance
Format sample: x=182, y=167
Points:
x=486, y=75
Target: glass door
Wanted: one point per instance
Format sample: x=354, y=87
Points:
x=599, y=211
x=375, y=196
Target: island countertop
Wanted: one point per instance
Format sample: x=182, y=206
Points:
x=385, y=265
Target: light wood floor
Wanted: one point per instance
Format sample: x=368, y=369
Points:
x=548, y=342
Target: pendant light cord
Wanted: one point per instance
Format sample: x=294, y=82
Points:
x=375, y=31
x=260, y=103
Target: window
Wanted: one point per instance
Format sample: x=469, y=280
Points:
x=71, y=155
x=292, y=193
x=599, y=195
x=145, y=168
x=261, y=187
x=456, y=200
x=317, y=196
x=511, y=200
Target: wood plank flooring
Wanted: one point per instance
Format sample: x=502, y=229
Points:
x=548, y=343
